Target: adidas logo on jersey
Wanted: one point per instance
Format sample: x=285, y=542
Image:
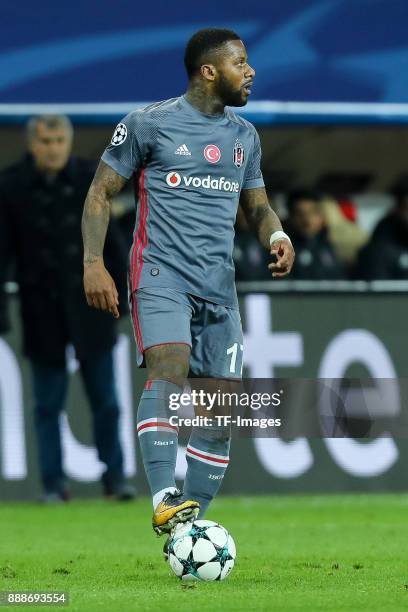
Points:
x=182, y=150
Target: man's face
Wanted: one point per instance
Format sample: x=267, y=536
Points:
x=234, y=74
x=307, y=218
x=50, y=148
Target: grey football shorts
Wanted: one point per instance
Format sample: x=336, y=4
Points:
x=214, y=332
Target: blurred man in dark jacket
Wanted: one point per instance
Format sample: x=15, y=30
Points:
x=385, y=257
x=41, y=200
x=315, y=256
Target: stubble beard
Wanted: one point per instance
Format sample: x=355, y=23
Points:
x=229, y=96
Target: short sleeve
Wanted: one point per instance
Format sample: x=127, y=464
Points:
x=253, y=176
x=131, y=141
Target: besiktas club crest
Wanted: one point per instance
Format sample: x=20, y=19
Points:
x=238, y=154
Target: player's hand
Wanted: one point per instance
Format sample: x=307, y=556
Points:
x=100, y=288
x=285, y=256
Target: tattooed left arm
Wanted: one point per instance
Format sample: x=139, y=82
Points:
x=264, y=221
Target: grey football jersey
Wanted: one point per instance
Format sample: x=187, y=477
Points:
x=192, y=169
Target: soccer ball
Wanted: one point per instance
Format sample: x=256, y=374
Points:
x=202, y=550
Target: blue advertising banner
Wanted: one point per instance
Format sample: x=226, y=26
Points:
x=101, y=51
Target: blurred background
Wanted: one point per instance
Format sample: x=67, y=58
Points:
x=330, y=103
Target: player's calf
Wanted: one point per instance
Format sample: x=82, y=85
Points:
x=207, y=460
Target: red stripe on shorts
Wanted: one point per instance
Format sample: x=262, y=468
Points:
x=136, y=264
x=136, y=324
x=141, y=234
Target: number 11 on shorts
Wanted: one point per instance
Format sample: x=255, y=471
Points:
x=233, y=351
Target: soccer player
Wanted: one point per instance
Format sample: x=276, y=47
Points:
x=196, y=161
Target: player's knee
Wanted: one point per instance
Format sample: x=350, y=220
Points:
x=169, y=362
x=223, y=435
x=169, y=374
x=173, y=372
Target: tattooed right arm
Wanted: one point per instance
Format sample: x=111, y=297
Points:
x=99, y=286
x=95, y=219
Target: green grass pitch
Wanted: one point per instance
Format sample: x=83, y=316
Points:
x=338, y=552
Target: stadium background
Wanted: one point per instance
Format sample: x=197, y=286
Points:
x=331, y=79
